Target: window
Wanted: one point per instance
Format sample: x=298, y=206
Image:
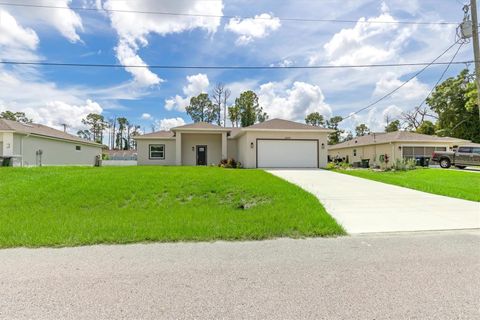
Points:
x=465, y=150
x=354, y=152
x=476, y=150
x=157, y=151
x=78, y=148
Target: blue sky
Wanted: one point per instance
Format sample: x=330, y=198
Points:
x=55, y=95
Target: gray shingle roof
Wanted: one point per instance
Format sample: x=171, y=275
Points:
x=40, y=130
x=157, y=134
x=397, y=136
x=280, y=124
x=199, y=125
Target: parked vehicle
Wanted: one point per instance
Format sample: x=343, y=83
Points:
x=461, y=157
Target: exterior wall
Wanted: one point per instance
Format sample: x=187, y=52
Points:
x=1, y=144
x=232, y=149
x=242, y=149
x=213, y=141
x=143, y=152
x=7, y=144
x=249, y=155
x=372, y=152
x=56, y=152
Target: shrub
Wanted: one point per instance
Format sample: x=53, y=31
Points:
x=331, y=166
x=229, y=163
x=344, y=165
x=404, y=164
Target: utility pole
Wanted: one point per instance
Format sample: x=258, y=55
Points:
x=476, y=50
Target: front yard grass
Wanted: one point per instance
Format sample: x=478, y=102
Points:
x=456, y=184
x=69, y=206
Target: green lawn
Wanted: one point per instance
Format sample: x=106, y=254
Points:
x=457, y=184
x=68, y=206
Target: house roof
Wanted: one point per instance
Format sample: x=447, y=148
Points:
x=397, y=136
x=269, y=125
x=41, y=130
x=280, y=124
x=156, y=135
x=200, y=126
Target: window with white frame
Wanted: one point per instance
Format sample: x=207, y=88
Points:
x=157, y=151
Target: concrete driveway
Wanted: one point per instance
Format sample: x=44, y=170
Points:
x=364, y=206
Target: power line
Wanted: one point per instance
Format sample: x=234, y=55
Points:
x=441, y=77
x=182, y=14
x=102, y=65
x=403, y=84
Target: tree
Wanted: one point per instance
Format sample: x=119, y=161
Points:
x=427, y=127
x=120, y=138
x=97, y=124
x=361, y=130
x=416, y=117
x=348, y=137
x=220, y=95
x=455, y=103
x=249, y=109
x=334, y=138
x=315, y=119
x=201, y=109
x=234, y=115
x=84, y=134
x=393, y=126
x=15, y=116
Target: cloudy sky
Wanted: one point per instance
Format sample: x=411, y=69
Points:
x=254, y=33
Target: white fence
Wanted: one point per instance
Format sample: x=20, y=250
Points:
x=119, y=163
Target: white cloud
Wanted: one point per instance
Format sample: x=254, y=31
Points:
x=413, y=90
x=367, y=43
x=197, y=84
x=55, y=113
x=66, y=21
x=127, y=55
x=14, y=35
x=253, y=28
x=133, y=29
x=167, y=124
x=292, y=103
x=43, y=101
x=146, y=116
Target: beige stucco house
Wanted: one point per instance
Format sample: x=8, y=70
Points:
x=396, y=145
x=32, y=144
x=273, y=143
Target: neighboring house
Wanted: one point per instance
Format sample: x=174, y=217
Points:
x=396, y=145
x=273, y=143
x=31, y=144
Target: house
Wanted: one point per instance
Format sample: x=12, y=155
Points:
x=396, y=145
x=273, y=143
x=32, y=144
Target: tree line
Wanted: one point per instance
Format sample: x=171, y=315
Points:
x=118, y=133
x=245, y=112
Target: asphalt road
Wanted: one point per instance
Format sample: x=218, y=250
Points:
x=432, y=275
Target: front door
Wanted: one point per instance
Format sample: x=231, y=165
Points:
x=201, y=155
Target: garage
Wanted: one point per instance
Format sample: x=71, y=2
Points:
x=287, y=153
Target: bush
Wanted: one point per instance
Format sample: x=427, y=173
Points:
x=404, y=164
x=229, y=163
x=330, y=166
x=338, y=165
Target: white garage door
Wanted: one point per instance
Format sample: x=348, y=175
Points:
x=287, y=153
